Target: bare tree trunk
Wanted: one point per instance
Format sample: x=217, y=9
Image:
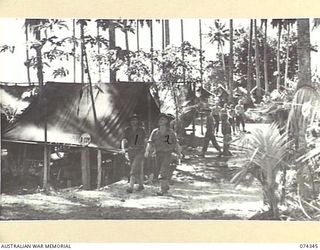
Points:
x=27, y=53
x=82, y=49
x=74, y=49
x=138, y=34
x=112, y=45
x=39, y=59
x=163, y=34
x=287, y=58
x=167, y=33
x=304, y=58
x=99, y=45
x=265, y=58
x=231, y=63
x=278, y=57
x=182, y=51
x=127, y=45
x=257, y=57
x=151, y=48
x=249, y=69
x=223, y=60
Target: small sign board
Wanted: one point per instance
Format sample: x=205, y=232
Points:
x=85, y=139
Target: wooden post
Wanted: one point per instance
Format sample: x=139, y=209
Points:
x=99, y=169
x=85, y=168
x=45, y=152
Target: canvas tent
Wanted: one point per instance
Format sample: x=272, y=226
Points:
x=66, y=110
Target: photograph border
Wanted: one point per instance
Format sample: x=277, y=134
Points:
x=89, y=231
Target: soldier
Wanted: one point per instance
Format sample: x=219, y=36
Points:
x=133, y=144
x=163, y=141
x=240, y=115
x=216, y=116
x=209, y=136
x=232, y=118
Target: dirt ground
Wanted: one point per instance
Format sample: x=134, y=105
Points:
x=200, y=189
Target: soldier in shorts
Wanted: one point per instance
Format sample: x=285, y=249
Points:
x=163, y=141
x=133, y=144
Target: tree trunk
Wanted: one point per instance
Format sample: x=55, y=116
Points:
x=223, y=61
x=278, y=56
x=265, y=58
x=163, y=34
x=138, y=34
x=99, y=45
x=257, y=57
x=167, y=32
x=112, y=45
x=27, y=53
x=249, y=69
x=151, y=48
x=82, y=49
x=304, y=58
x=39, y=59
x=182, y=51
x=231, y=63
x=287, y=58
x=126, y=38
x=74, y=49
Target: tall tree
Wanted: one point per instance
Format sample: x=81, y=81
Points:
x=278, y=23
x=249, y=66
x=231, y=62
x=112, y=46
x=167, y=32
x=257, y=61
x=219, y=34
x=265, y=55
x=27, y=63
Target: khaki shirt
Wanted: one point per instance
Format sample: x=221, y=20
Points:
x=166, y=142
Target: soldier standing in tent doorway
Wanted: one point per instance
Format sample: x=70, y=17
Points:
x=163, y=141
x=209, y=136
x=133, y=144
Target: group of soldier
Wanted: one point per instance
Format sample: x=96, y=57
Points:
x=163, y=147
x=230, y=118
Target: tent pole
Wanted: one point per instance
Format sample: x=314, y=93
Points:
x=99, y=169
x=45, y=155
x=87, y=168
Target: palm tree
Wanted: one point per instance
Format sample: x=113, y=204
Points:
x=257, y=59
x=231, y=63
x=219, y=34
x=167, y=32
x=249, y=67
x=264, y=154
x=279, y=24
x=305, y=101
x=27, y=52
x=265, y=55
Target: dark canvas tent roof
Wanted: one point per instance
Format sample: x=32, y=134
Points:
x=69, y=113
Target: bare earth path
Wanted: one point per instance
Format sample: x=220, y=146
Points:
x=201, y=190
